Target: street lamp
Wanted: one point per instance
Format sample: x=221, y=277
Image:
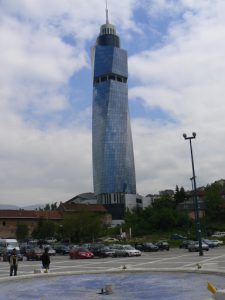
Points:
x=197, y=219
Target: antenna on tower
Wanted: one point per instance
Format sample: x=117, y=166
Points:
x=106, y=10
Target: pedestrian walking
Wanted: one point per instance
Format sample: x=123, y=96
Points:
x=45, y=258
x=13, y=262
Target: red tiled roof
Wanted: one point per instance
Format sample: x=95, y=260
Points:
x=30, y=214
x=78, y=207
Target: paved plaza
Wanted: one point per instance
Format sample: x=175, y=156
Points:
x=163, y=275
x=173, y=260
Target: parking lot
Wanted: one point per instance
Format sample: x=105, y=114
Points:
x=175, y=259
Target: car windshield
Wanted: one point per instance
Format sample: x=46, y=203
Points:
x=37, y=250
x=106, y=249
x=12, y=244
x=128, y=247
x=17, y=252
x=82, y=250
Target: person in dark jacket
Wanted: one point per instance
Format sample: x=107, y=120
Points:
x=45, y=260
x=13, y=262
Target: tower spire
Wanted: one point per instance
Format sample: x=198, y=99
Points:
x=106, y=10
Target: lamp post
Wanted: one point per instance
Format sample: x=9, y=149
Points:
x=197, y=219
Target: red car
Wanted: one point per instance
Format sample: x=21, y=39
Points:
x=80, y=252
x=34, y=254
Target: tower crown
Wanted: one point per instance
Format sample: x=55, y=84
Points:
x=107, y=29
x=107, y=35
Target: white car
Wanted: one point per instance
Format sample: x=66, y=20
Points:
x=131, y=251
x=217, y=242
x=125, y=250
x=110, y=239
x=219, y=234
x=51, y=251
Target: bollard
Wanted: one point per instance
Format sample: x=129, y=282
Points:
x=108, y=289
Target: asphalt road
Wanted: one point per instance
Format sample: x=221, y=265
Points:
x=175, y=259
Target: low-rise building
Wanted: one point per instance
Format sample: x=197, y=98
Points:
x=9, y=219
x=70, y=208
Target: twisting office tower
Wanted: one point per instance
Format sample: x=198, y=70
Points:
x=113, y=159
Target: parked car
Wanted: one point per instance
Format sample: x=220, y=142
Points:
x=125, y=250
x=24, y=248
x=80, y=252
x=110, y=240
x=62, y=249
x=194, y=246
x=34, y=253
x=9, y=244
x=96, y=249
x=103, y=251
x=147, y=247
x=131, y=251
x=185, y=244
x=210, y=243
x=51, y=251
x=51, y=240
x=1, y=250
x=6, y=254
x=163, y=245
x=219, y=243
x=218, y=234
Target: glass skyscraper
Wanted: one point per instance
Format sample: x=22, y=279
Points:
x=112, y=146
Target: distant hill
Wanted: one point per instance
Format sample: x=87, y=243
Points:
x=33, y=207
x=8, y=206
x=29, y=207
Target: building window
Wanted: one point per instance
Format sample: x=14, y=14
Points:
x=103, y=78
x=3, y=223
x=112, y=77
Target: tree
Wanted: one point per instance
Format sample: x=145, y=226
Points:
x=82, y=226
x=180, y=195
x=214, y=204
x=22, y=231
x=44, y=229
x=161, y=216
x=48, y=207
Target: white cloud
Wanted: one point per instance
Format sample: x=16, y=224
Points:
x=43, y=44
x=185, y=78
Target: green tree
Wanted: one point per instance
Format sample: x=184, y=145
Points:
x=54, y=206
x=161, y=216
x=22, y=231
x=47, y=206
x=180, y=195
x=44, y=229
x=214, y=204
x=82, y=226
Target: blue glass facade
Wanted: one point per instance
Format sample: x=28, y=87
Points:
x=113, y=159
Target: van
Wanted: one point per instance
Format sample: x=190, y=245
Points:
x=219, y=234
x=9, y=244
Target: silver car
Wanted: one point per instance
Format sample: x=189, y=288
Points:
x=125, y=250
x=194, y=246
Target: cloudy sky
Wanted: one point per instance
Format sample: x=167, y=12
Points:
x=176, y=62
